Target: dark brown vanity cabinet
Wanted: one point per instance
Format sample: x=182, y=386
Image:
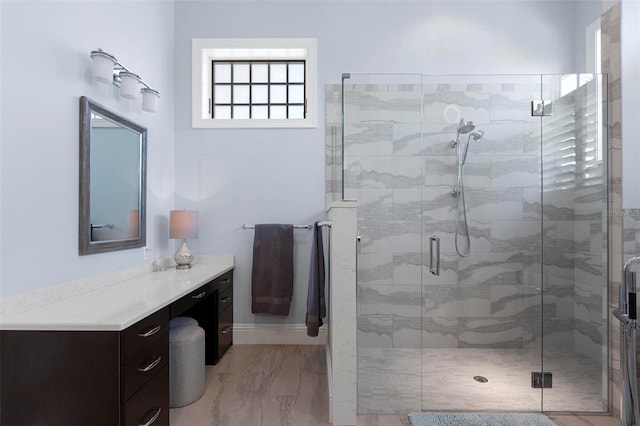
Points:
x=106, y=378
x=86, y=377
x=212, y=306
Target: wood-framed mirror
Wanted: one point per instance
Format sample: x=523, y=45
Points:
x=113, y=162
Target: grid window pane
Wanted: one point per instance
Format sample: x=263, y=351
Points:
x=222, y=94
x=222, y=112
x=278, y=94
x=258, y=90
x=296, y=94
x=259, y=94
x=240, y=112
x=278, y=73
x=259, y=73
x=240, y=73
x=240, y=95
x=296, y=112
x=260, y=112
x=296, y=73
x=222, y=73
x=278, y=112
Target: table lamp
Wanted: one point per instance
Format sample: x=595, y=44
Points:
x=183, y=224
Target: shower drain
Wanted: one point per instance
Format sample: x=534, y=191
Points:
x=480, y=379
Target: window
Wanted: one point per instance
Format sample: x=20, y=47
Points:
x=258, y=90
x=254, y=83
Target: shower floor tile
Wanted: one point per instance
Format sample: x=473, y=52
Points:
x=389, y=381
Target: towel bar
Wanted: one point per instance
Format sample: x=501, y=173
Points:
x=245, y=226
x=310, y=226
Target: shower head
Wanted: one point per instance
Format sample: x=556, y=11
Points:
x=465, y=126
x=477, y=135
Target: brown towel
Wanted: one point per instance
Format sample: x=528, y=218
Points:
x=272, y=271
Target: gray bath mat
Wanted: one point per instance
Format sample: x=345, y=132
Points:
x=479, y=419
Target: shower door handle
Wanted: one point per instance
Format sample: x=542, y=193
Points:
x=434, y=242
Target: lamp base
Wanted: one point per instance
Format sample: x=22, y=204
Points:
x=183, y=256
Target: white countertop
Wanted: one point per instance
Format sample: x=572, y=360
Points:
x=117, y=306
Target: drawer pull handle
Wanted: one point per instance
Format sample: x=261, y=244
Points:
x=226, y=281
x=225, y=299
x=150, y=332
x=226, y=330
x=151, y=366
x=151, y=416
x=199, y=296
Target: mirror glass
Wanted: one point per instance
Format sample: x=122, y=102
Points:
x=112, y=180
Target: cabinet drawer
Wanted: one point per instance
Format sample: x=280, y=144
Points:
x=150, y=406
x=140, y=369
x=225, y=331
x=224, y=281
x=143, y=333
x=225, y=299
x=187, y=301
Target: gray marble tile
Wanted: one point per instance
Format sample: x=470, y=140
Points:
x=395, y=300
x=456, y=301
x=514, y=171
x=375, y=331
x=375, y=269
x=379, y=235
x=371, y=138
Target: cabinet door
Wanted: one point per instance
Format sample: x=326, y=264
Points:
x=60, y=378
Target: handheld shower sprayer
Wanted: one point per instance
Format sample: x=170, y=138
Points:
x=477, y=135
x=462, y=228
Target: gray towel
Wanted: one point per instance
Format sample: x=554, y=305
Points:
x=316, y=304
x=272, y=271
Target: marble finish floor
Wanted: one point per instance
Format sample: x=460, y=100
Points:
x=286, y=385
x=389, y=381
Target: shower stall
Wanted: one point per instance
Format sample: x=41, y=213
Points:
x=483, y=248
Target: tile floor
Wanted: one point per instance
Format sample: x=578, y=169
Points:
x=389, y=381
x=285, y=385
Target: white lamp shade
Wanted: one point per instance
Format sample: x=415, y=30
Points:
x=149, y=99
x=129, y=83
x=102, y=66
x=183, y=224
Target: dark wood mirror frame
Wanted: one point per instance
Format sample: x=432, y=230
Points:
x=86, y=245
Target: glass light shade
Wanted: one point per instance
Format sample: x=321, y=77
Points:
x=149, y=99
x=102, y=66
x=183, y=224
x=129, y=85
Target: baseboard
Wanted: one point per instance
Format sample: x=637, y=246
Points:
x=276, y=334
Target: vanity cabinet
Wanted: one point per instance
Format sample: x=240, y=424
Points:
x=86, y=377
x=212, y=306
x=102, y=358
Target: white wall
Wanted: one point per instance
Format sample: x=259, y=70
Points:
x=630, y=69
x=261, y=176
x=45, y=61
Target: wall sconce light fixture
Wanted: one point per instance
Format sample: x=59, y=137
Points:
x=107, y=69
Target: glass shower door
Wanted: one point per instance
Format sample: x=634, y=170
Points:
x=383, y=170
x=498, y=184
x=481, y=316
x=575, y=247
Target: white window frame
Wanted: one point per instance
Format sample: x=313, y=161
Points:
x=205, y=50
